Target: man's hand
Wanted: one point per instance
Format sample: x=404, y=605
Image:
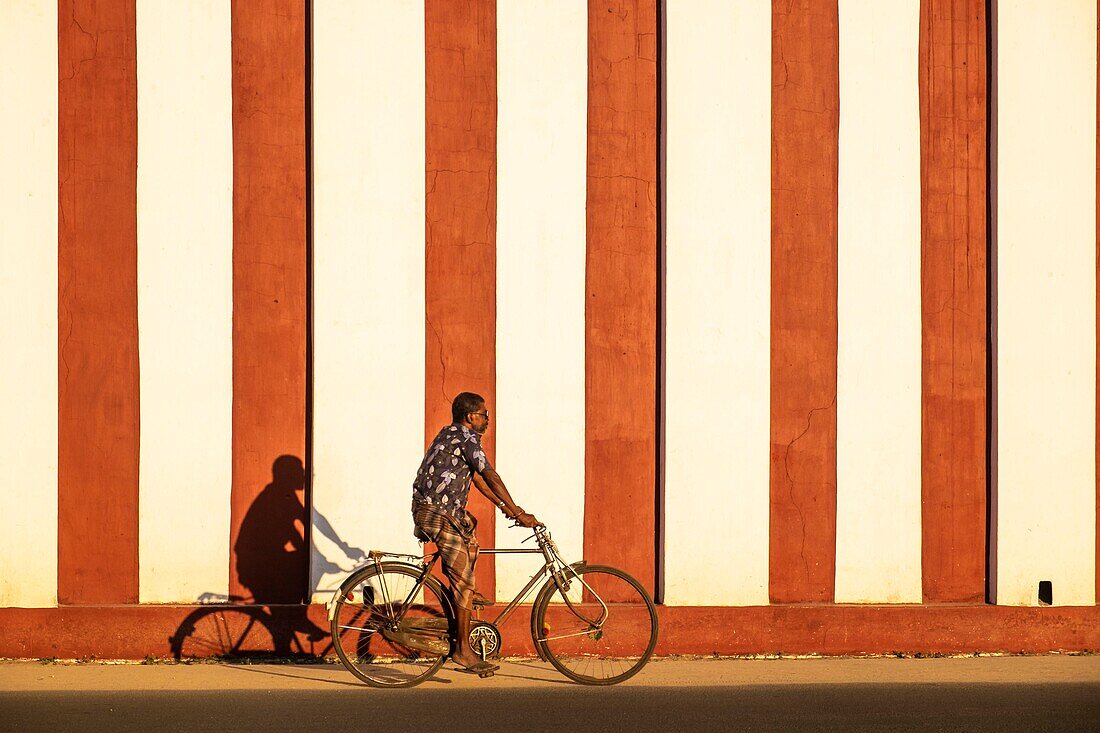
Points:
x=529, y=521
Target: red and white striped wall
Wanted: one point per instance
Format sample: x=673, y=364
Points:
x=773, y=302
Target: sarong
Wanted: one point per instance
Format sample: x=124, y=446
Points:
x=457, y=546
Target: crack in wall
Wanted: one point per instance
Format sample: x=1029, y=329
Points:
x=791, y=482
x=442, y=362
x=84, y=59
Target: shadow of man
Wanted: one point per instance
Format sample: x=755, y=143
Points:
x=273, y=557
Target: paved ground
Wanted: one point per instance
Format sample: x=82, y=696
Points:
x=964, y=694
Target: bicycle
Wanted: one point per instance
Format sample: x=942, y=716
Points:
x=393, y=621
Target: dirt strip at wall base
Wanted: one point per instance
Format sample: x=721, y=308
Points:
x=138, y=632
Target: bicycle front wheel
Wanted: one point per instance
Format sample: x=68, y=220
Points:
x=604, y=632
x=384, y=633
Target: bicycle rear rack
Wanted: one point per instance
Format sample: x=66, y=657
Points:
x=374, y=556
x=379, y=554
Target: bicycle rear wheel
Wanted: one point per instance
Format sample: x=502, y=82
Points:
x=383, y=634
x=603, y=639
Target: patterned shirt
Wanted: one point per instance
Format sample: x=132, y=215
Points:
x=448, y=467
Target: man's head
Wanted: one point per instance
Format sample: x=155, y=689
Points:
x=469, y=409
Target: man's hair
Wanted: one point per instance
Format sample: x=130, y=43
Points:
x=464, y=404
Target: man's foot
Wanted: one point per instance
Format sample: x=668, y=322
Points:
x=468, y=659
x=481, y=669
x=472, y=663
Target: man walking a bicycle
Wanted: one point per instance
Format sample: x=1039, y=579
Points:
x=453, y=461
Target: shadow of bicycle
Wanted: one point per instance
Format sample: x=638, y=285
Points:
x=224, y=632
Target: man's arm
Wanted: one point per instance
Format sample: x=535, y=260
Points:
x=490, y=484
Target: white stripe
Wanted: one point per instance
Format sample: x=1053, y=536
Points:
x=542, y=88
x=1045, y=185
x=185, y=296
x=718, y=196
x=369, y=163
x=878, y=531
x=28, y=302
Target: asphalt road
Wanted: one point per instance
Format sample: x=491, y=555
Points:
x=634, y=709
x=731, y=695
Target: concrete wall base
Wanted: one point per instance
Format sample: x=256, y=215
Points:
x=137, y=632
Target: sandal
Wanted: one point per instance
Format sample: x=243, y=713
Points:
x=481, y=669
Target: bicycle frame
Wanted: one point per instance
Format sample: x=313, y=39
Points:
x=557, y=569
x=553, y=566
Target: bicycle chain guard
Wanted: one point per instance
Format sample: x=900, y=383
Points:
x=423, y=634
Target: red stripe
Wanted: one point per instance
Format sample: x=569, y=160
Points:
x=460, y=41
x=269, y=292
x=954, y=312
x=621, y=283
x=805, y=130
x=97, y=303
x=119, y=632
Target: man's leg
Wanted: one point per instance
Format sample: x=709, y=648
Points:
x=463, y=604
x=459, y=554
x=464, y=601
x=463, y=655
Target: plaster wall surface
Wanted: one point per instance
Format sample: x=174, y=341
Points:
x=542, y=84
x=878, y=503
x=28, y=303
x=718, y=300
x=1044, y=515
x=368, y=179
x=185, y=297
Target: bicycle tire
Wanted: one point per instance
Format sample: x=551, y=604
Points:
x=614, y=652
x=370, y=644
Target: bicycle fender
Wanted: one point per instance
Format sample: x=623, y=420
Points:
x=330, y=605
x=443, y=592
x=547, y=588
